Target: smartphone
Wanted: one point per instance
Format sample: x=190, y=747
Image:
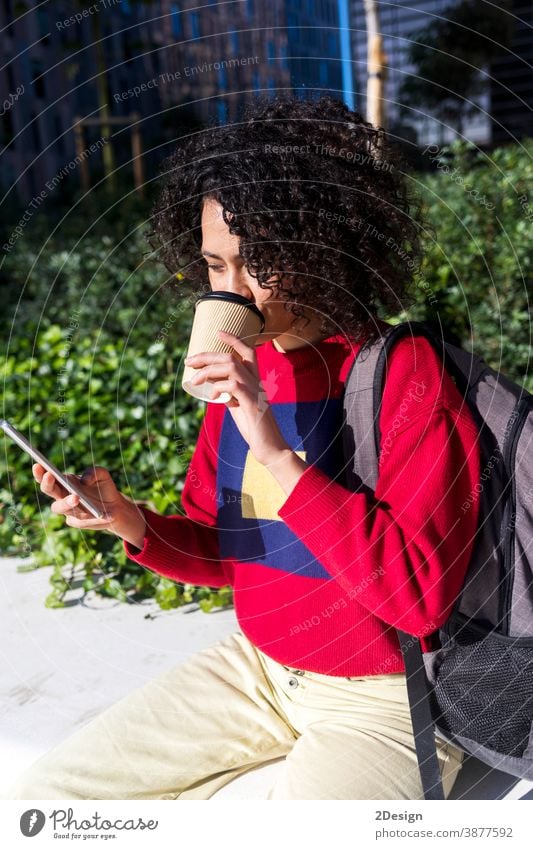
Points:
x=23, y=443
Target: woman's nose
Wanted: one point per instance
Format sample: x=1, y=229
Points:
x=234, y=283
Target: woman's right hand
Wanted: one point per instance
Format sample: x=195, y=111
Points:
x=122, y=516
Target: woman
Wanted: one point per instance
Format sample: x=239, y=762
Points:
x=302, y=208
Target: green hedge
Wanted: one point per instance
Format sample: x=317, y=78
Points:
x=477, y=274
x=91, y=371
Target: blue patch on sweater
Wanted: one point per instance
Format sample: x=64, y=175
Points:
x=309, y=427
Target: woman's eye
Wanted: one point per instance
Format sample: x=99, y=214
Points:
x=216, y=267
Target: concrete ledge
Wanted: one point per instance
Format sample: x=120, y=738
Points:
x=60, y=668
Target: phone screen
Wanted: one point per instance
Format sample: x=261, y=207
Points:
x=69, y=485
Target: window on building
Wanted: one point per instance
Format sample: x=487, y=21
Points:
x=35, y=132
x=234, y=41
x=292, y=19
x=221, y=110
x=312, y=36
x=6, y=130
x=127, y=53
x=8, y=175
x=175, y=19
x=32, y=181
x=195, y=25
x=9, y=28
x=37, y=71
x=11, y=84
x=60, y=139
x=42, y=24
x=222, y=78
x=333, y=44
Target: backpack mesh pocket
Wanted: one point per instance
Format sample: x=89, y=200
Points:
x=484, y=688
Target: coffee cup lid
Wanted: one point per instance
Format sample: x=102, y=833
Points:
x=234, y=298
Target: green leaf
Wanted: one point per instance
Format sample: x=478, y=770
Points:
x=53, y=600
x=111, y=587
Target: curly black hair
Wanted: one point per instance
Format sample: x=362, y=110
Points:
x=319, y=199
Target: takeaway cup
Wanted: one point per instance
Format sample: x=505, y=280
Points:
x=213, y=312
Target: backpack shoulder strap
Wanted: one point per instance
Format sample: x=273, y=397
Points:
x=363, y=394
x=419, y=694
x=362, y=403
x=361, y=438
x=359, y=405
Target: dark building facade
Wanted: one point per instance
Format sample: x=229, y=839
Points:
x=511, y=80
x=149, y=64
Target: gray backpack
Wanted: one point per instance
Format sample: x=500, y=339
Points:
x=476, y=690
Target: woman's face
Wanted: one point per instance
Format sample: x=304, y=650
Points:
x=228, y=273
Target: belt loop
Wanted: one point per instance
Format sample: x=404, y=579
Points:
x=294, y=671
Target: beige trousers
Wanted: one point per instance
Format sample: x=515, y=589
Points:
x=229, y=708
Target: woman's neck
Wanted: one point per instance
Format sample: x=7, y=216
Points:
x=311, y=334
x=285, y=343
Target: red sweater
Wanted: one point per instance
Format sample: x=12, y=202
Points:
x=321, y=577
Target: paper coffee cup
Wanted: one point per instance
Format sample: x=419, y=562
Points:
x=213, y=312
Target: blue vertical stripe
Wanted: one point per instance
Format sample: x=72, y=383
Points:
x=346, y=54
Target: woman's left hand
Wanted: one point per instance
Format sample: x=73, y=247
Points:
x=248, y=405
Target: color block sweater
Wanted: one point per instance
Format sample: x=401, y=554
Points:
x=322, y=576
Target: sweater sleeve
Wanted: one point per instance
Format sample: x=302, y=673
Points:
x=185, y=548
x=401, y=550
